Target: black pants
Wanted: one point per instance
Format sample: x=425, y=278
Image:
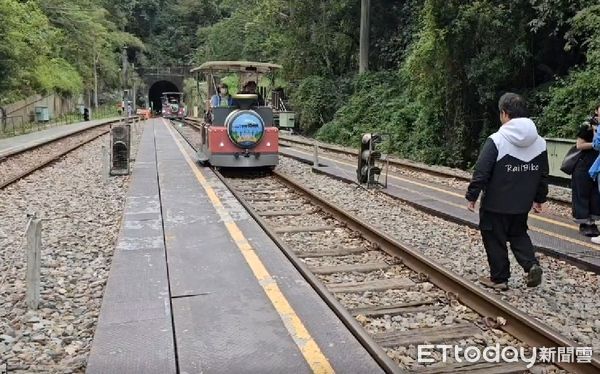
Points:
x=585, y=195
x=496, y=230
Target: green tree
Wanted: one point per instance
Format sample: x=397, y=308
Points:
x=28, y=60
x=171, y=36
x=566, y=104
x=58, y=46
x=89, y=40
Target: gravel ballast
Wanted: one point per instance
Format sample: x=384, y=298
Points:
x=432, y=307
x=81, y=217
x=556, y=192
x=13, y=166
x=437, y=311
x=568, y=299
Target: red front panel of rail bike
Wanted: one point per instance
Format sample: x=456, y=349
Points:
x=219, y=142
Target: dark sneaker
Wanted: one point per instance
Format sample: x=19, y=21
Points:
x=491, y=284
x=583, y=229
x=593, y=231
x=534, y=277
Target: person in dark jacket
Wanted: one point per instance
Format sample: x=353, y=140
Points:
x=512, y=172
x=584, y=190
x=250, y=88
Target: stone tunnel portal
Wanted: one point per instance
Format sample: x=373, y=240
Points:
x=156, y=91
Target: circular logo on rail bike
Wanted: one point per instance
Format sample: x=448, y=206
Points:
x=245, y=128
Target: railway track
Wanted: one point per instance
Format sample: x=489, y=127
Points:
x=399, y=165
x=18, y=164
x=390, y=296
x=406, y=164
x=396, y=165
x=399, y=297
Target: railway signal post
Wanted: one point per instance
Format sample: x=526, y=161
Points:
x=368, y=172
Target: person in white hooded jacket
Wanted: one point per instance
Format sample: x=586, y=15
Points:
x=512, y=172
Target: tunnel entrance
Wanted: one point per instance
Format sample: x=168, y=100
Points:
x=156, y=91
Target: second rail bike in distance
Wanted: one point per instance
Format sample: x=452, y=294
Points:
x=172, y=105
x=238, y=133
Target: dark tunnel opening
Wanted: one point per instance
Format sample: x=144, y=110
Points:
x=156, y=91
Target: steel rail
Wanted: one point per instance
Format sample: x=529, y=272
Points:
x=403, y=164
x=345, y=151
x=393, y=161
x=55, y=157
x=518, y=324
x=577, y=261
x=399, y=163
x=49, y=160
x=378, y=354
x=49, y=141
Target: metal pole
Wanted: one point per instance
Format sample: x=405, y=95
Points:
x=134, y=93
x=2, y=120
x=34, y=245
x=387, y=167
x=363, y=64
x=124, y=61
x=95, y=78
x=369, y=167
x=316, y=155
x=199, y=96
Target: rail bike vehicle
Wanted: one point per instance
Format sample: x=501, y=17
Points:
x=238, y=130
x=172, y=105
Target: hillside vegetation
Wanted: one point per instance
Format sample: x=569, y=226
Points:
x=437, y=68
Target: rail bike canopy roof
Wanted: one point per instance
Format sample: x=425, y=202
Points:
x=236, y=67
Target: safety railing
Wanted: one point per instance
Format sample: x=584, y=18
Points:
x=19, y=125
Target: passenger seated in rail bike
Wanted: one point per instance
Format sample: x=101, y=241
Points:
x=250, y=88
x=221, y=100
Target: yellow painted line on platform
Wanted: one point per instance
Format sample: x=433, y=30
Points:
x=307, y=345
x=534, y=216
x=536, y=229
x=424, y=185
x=566, y=238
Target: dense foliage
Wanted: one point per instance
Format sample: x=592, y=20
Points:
x=437, y=67
x=575, y=95
x=56, y=46
x=464, y=56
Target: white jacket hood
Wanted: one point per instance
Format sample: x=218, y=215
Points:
x=520, y=132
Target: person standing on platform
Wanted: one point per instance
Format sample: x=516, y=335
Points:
x=512, y=172
x=584, y=190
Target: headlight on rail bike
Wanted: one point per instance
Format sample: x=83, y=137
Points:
x=245, y=128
